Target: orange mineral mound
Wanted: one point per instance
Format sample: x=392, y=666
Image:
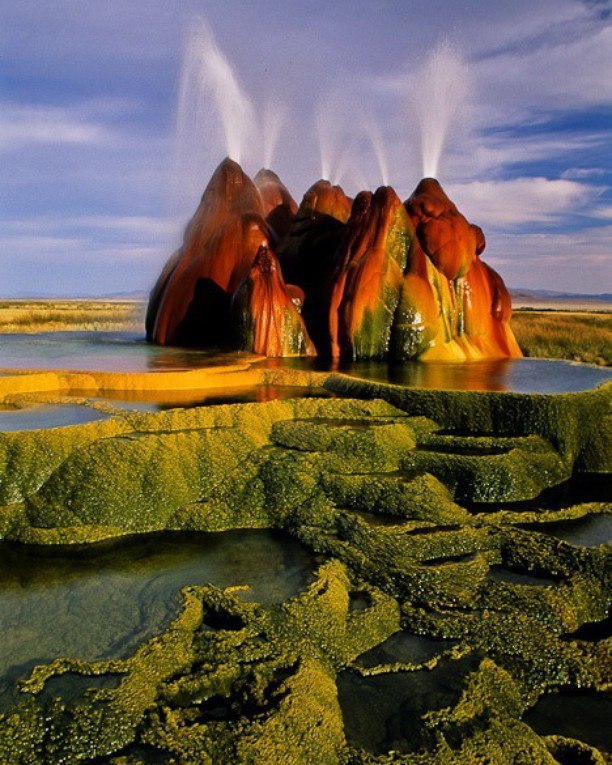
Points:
x=279, y=206
x=371, y=279
x=265, y=317
x=190, y=302
x=368, y=282
x=453, y=307
x=443, y=233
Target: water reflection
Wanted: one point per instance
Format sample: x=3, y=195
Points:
x=39, y=417
x=104, y=352
x=516, y=375
x=154, y=401
x=104, y=600
x=129, y=352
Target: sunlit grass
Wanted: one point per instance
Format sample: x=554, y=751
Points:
x=565, y=335
x=57, y=315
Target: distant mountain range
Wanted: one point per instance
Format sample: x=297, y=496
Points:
x=518, y=293
x=522, y=292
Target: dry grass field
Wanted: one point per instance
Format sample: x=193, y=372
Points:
x=575, y=335
x=58, y=315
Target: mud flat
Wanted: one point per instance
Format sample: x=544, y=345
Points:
x=414, y=596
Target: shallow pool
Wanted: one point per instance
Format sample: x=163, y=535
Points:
x=52, y=416
x=515, y=375
x=129, y=352
x=155, y=401
x=104, y=600
x=582, y=715
x=102, y=352
x=589, y=531
x=384, y=712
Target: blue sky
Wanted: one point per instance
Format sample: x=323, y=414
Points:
x=94, y=191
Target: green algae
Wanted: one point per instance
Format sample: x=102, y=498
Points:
x=232, y=681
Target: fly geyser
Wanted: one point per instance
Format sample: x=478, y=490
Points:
x=366, y=278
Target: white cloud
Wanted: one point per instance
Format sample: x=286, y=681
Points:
x=576, y=261
x=22, y=124
x=46, y=233
x=577, y=173
x=518, y=202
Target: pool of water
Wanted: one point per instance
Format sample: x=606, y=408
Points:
x=516, y=375
x=383, y=712
x=502, y=574
x=589, y=531
x=155, y=401
x=104, y=600
x=103, y=352
x=38, y=417
x=129, y=352
x=581, y=487
x=585, y=716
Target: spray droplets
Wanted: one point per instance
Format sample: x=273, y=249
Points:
x=439, y=101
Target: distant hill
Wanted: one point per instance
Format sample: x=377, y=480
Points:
x=134, y=295
x=518, y=292
x=552, y=300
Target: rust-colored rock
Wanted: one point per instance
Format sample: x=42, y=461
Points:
x=189, y=304
x=371, y=279
x=488, y=310
x=308, y=254
x=368, y=282
x=280, y=207
x=453, y=307
x=444, y=234
x=265, y=317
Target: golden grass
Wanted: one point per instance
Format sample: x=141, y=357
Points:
x=565, y=335
x=58, y=315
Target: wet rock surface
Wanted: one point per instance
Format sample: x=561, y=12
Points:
x=425, y=640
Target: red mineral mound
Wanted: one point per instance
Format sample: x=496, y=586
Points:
x=369, y=279
x=488, y=309
x=453, y=306
x=265, y=318
x=279, y=206
x=189, y=304
x=308, y=253
x=444, y=234
x=380, y=280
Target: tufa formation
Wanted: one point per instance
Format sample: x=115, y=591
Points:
x=369, y=278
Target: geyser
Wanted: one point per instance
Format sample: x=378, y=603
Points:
x=369, y=278
x=440, y=97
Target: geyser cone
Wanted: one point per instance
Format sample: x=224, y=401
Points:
x=265, y=318
x=280, y=207
x=189, y=304
x=488, y=309
x=369, y=280
x=308, y=253
x=444, y=234
x=452, y=307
